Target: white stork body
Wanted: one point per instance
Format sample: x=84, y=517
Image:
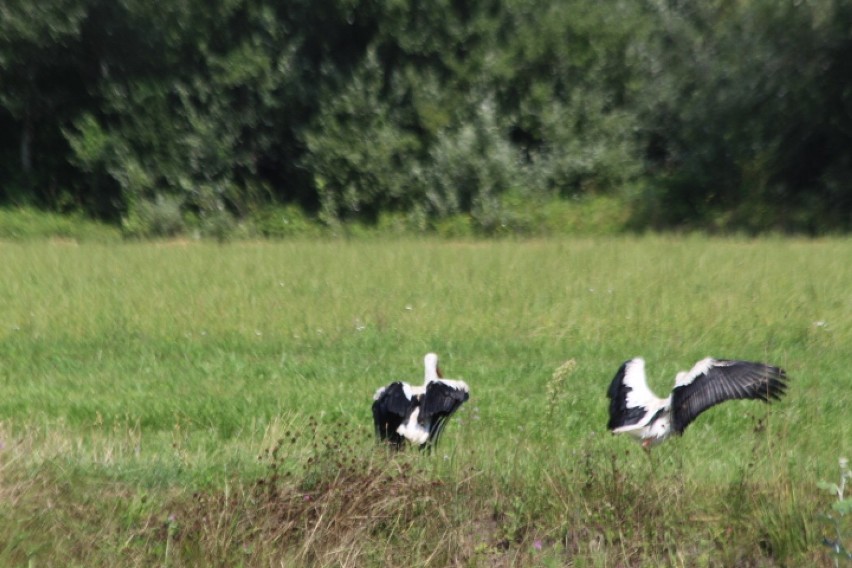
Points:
x=635, y=410
x=417, y=413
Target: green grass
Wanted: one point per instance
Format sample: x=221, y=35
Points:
x=27, y=223
x=195, y=404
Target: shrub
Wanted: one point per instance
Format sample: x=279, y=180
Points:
x=468, y=168
x=158, y=217
x=276, y=221
x=455, y=226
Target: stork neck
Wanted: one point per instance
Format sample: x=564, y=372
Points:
x=431, y=366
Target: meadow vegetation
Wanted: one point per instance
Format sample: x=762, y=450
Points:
x=185, y=404
x=27, y=223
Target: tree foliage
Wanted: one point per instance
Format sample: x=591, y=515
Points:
x=748, y=116
x=725, y=115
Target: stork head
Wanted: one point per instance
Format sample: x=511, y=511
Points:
x=433, y=371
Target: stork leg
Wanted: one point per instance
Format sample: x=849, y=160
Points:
x=646, y=447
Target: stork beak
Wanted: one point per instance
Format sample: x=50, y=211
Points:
x=438, y=371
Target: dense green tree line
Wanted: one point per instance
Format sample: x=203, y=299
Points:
x=725, y=114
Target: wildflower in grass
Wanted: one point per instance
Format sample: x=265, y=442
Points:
x=841, y=508
x=537, y=544
x=557, y=386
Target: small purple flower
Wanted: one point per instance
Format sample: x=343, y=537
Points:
x=537, y=544
x=306, y=498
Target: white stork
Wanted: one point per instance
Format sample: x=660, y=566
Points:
x=418, y=414
x=635, y=410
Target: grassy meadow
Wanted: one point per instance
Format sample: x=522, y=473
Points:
x=189, y=404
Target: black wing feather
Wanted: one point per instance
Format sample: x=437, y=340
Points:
x=726, y=380
x=389, y=411
x=619, y=413
x=439, y=403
